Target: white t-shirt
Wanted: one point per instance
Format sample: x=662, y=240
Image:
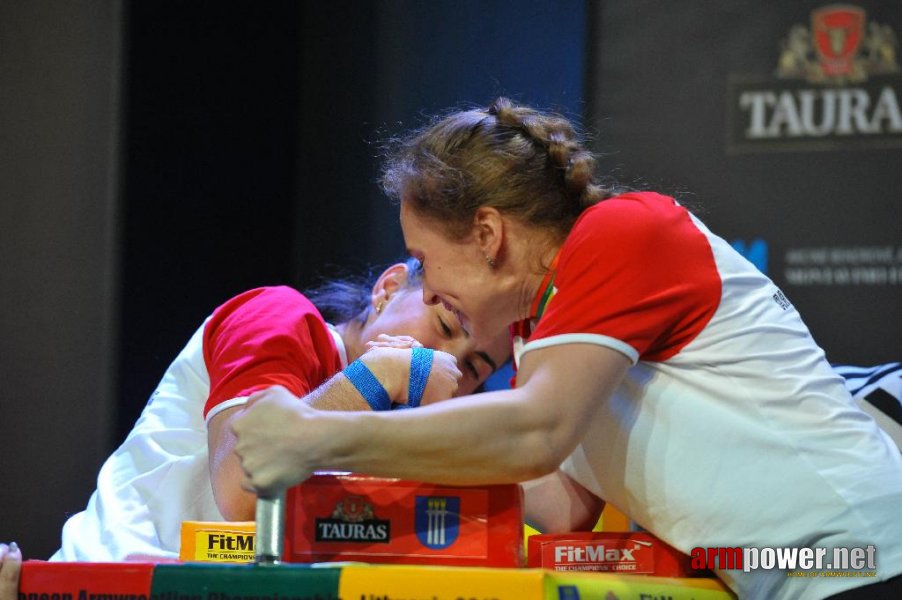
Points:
x=160, y=474
x=731, y=429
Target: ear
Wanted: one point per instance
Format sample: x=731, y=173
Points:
x=392, y=279
x=488, y=225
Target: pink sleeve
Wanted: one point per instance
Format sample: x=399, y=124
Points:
x=264, y=337
x=634, y=268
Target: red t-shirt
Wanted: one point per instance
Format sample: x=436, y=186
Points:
x=634, y=268
x=264, y=337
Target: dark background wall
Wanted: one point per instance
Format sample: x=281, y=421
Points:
x=253, y=132
x=816, y=207
x=59, y=258
x=160, y=156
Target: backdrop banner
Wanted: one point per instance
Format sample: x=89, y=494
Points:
x=780, y=126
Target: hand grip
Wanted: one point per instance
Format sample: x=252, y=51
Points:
x=270, y=537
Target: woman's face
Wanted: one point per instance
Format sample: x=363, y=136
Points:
x=405, y=314
x=455, y=275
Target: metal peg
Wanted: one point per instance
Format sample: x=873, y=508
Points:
x=270, y=540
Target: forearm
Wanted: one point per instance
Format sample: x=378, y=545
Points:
x=456, y=442
x=496, y=437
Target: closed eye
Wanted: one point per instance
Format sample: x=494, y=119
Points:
x=472, y=368
x=487, y=360
x=445, y=329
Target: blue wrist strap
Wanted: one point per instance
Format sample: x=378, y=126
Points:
x=420, y=365
x=368, y=386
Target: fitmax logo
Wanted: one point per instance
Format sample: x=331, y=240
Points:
x=594, y=554
x=218, y=541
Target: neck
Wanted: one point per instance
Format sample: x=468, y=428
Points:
x=350, y=335
x=533, y=264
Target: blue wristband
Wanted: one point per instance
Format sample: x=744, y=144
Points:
x=368, y=386
x=420, y=366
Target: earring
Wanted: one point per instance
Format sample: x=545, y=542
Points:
x=490, y=261
x=379, y=306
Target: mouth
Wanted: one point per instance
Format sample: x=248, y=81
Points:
x=461, y=319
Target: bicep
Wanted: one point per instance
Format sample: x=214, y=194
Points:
x=233, y=502
x=568, y=383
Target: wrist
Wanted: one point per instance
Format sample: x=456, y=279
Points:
x=391, y=367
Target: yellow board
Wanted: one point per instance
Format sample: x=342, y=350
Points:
x=452, y=583
x=604, y=586
x=439, y=583
x=205, y=541
x=612, y=519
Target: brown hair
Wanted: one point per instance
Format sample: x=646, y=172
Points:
x=519, y=160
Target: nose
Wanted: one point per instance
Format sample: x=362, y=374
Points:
x=430, y=298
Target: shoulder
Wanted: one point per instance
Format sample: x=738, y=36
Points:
x=627, y=215
x=262, y=315
x=281, y=295
x=628, y=226
x=276, y=303
x=637, y=269
x=263, y=337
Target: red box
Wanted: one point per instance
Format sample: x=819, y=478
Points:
x=40, y=579
x=634, y=553
x=347, y=517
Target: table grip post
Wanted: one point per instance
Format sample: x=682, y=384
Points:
x=270, y=536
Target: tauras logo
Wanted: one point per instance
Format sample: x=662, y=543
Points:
x=837, y=84
x=328, y=530
x=794, y=114
x=353, y=520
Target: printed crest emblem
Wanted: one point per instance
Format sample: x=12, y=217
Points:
x=353, y=509
x=838, y=31
x=437, y=520
x=841, y=46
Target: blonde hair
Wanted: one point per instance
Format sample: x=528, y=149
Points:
x=524, y=162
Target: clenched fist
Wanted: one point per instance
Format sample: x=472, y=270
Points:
x=276, y=437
